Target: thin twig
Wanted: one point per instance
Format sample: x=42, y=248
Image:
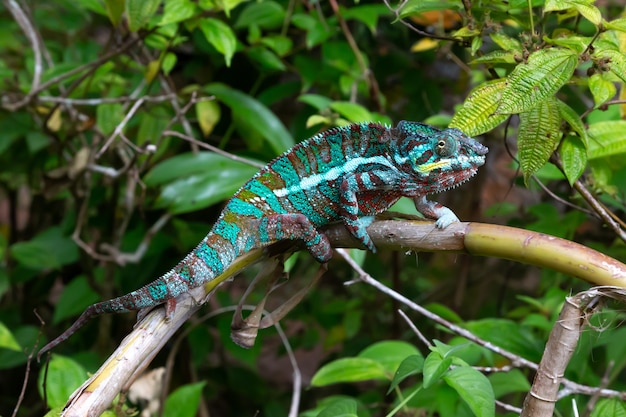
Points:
x=29, y=31
x=103, y=100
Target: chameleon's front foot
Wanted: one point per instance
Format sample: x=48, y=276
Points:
x=433, y=210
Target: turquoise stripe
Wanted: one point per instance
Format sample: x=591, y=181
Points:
x=210, y=257
x=243, y=208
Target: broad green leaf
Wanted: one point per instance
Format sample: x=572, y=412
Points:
x=538, y=136
x=221, y=36
x=389, y=353
x=76, y=296
x=352, y=111
x=473, y=388
x=184, y=402
x=108, y=116
x=348, y=370
x=607, y=139
x=477, y=115
x=617, y=62
x=114, y=9
x=208, y=113
x=613, y=407
x=505, y=42
x=571, y=41
x=7, y=341
x=343, y=408
x=545, y=73
x=571, y=117
x=315, y=100
x=434, y=368
x=508, y=335
x=176, y=11
x=496, y=57
x=50, y=249
x=504, y=383
x=254, y=115
x=139, y=12
x=265, y=15
x=366, y=13
x=574, y=156
x=415, y=7
x=412, y=365
x=64, y=376
x=266, y=59
x=584, y=7
x=197, y=180
x=26, y=337
x=280, y=44
x=602, y=89
x=617, y=24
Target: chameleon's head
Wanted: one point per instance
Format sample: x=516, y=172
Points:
x=438, y=159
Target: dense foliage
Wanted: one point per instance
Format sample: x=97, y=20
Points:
x=126, y=124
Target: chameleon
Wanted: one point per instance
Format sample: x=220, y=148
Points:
x=347, y=174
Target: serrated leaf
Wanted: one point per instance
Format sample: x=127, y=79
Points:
x=254, y=115
x=473, y=388
x=184, y=402
x=574, y=157
x=601, y=89
x=477, y=115
x=617, y=62
x=496, y=57
x=545, y=73
x=62, y=377
x=221, y=36
x=607, y=138
x=538, y=136
x=139, y=12
x=571, y=117
x=348, y=370
x=584, y=7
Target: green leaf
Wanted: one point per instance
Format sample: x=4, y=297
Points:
x=348, y=370
x=315, y=100
x=574, y=156
x=411, y=365
x=76, y=296
x=504, y=383
x=545, y=73
x=366, y=13
x=114, y=9
x=254, y=115
x=508, y=335
x=221, y=36
x=434, y=368
x=7, y=340
x=473, y=388
x=389, y=353
x=184, y=402
x=602, y=89
x=266, y=58
x=505, y=42
x=50, y=249
x=538, y=136
x=613, y=407
x=64, y=376
x=496, y=57
x=351, y=111
x=607, y=138
x=196, y=181
x=208, y=113
x=108, y=116
x=139, y=12
x=265, y=15
x=571, y=117
x=477, y=115
x=342, y=408
x=584, y=7
x=617, y=24
x=280, y=44
x=176, y=11
x=415, y=7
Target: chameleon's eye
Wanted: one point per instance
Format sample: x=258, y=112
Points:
x=445, y=146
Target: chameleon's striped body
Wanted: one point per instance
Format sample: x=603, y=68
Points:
x=346, y=174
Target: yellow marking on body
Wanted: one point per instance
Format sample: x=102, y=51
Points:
x=425, y=168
